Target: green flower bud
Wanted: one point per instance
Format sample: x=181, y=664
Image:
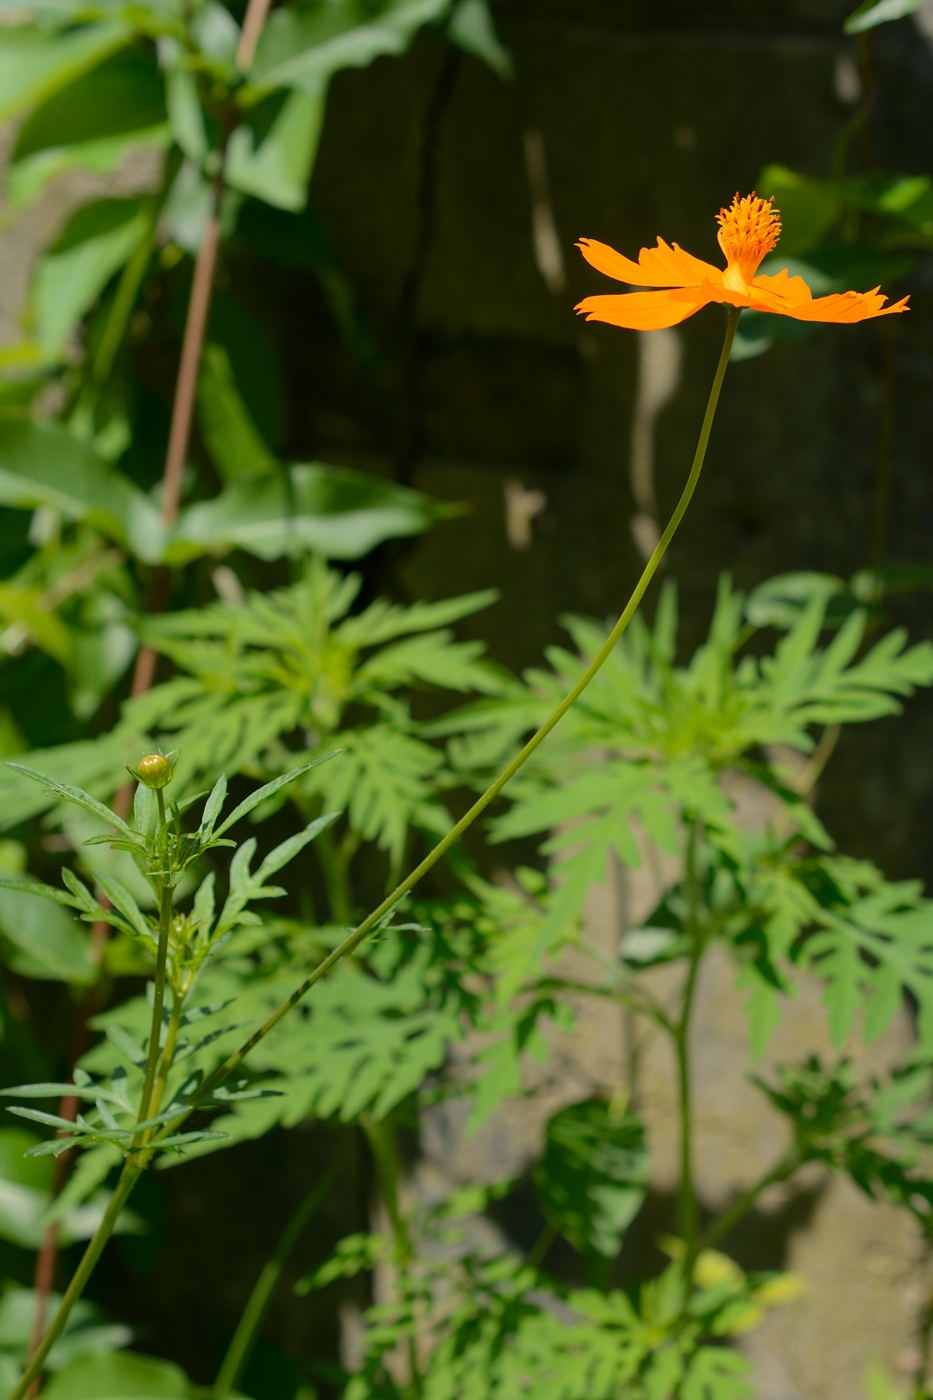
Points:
x=154, y=771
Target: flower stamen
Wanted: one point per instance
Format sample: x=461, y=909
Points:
x=748, y=232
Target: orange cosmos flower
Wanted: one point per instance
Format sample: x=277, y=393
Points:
x=748, y=231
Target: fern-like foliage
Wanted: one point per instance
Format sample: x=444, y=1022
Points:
x=642, y=756
x=498, y=1327
x=286, y=676
x=376, y=1029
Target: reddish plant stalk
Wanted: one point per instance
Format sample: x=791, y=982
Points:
x=143, y=676
x=199, y=304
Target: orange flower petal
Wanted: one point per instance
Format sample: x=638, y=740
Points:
x=656, y=267
x=781, y=284
x=843, y=308
x=646, y=311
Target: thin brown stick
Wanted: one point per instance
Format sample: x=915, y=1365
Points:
x=143, y=676
x=144, y=670
x=253, y=24
x=186, y=384
x=199, y=304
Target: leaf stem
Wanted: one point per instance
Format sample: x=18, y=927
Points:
x=255, y=1310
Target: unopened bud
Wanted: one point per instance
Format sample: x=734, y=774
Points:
x=154, y=770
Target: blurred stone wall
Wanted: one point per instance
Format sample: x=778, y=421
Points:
x=455, y=201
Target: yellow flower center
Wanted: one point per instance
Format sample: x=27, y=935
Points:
x=748, y=231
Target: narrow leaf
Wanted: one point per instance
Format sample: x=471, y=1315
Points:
x=77, y=796
x=269, y=789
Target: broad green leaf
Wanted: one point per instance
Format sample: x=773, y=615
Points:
x=302, y=49
x=35, y=64
x=92, y=124
x=43, y=939
x=68, y=282
x=121, y=1376
x=27, y=179
x=122, y=95
x=185, y=116
x=188, y=207
x=278, y=168
x=231, y=436
x=339, y=513
x=25, y=1196
x=809, y=207
x=42, y=465
x=592, y=1178
x=875, y=12
x=25, y=1189
x=86, y=1333
x=25, y=607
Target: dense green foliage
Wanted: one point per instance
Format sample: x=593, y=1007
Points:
x=311, y=699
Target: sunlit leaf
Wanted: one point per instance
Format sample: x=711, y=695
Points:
x=593, y=1176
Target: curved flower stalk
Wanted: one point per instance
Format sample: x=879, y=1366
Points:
x=748, y=231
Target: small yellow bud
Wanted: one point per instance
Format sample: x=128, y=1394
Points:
x=154, y=770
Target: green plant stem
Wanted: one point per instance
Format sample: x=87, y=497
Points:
x=132, y=1170
x=165, y=1062
x=366, y=927
x=123, y=303
x=687, y=1201
x=744, y=1203
x=334, y=870
x=158, y=1001
x=538, y=1251
x=382, y=1141
x=255, y=1310
x=635, y=1000
x=381, y=1136
x=353, y=941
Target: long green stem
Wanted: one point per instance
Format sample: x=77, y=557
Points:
x=165, y=1061
x=335, y=879
x=255, y=1310
x=384, y=1147
x=744, y=1203
x=366, y=927
x=123, y=302
x=128, y=1178
x=158, y=1001
x=353, y=941
x=687, y=1194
